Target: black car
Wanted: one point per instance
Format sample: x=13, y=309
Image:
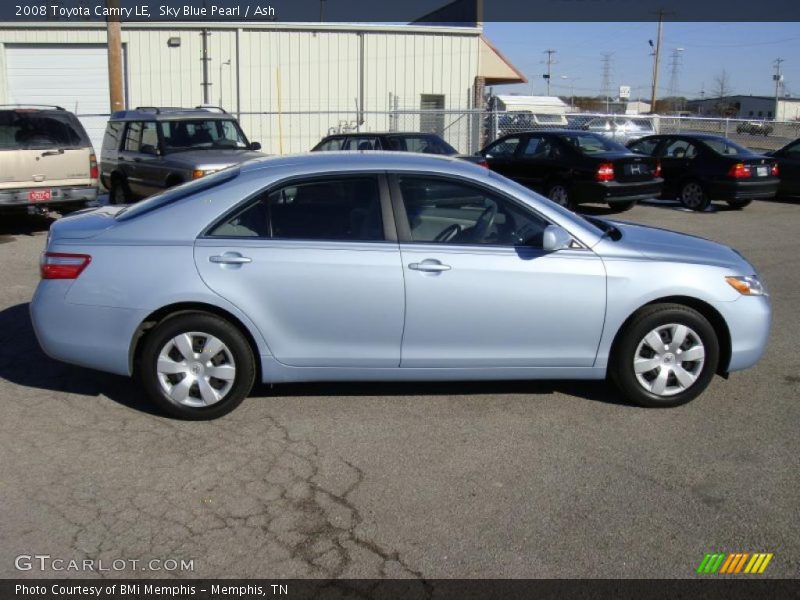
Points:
x=698, y=168
x=788, y=159
x=424, y=143
x=574, y=167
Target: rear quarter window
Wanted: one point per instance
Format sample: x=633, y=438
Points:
x=111, y=138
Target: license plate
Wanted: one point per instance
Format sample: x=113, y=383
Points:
x=762, y=171
x=637, y=169
x=39, y=195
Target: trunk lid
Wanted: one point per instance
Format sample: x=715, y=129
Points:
x=84, y=224
x=633, y=167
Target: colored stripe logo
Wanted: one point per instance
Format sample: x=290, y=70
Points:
x=734, y=563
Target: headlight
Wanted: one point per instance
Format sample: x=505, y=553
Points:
x=747, y=285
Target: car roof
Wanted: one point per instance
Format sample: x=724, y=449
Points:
x=369, y=160
x=170, y=113
x=380, y=133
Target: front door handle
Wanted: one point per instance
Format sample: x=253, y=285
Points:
x=429, y=265
x=230, y=258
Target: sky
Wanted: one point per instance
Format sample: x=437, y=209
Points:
x=745, y=50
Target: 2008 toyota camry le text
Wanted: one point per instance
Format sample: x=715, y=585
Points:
x=390, y=267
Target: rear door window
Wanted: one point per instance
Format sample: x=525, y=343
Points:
x=335, y=209
x=503, y=148
x=361, y=143
x=679, y=149
x=23, y=129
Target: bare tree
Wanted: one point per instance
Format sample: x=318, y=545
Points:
x=721, y=91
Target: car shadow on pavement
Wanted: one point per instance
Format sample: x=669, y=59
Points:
x=22, y=362
x=23, y=224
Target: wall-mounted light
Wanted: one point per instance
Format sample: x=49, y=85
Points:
x=174, y=42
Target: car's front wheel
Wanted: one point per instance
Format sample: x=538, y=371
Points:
x=739, y=204
x=196, y=366
x=666, y=356
x=622, y=206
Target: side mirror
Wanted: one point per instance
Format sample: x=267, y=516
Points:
x=254, y=146
x=555, y=238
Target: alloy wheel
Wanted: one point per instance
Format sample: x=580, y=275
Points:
x=559, y=195
x=692, y=195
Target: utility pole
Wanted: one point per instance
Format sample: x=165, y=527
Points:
x=114, y=43
x=656, y=60
x=204, y=33
x=778, y=78
x=550, y=62
x=606, y=76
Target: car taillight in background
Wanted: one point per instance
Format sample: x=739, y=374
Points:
x=483, y=163
x=605, y=172
x=739, y=171
x=657, y=172
x=93, y=166
x=775, y=171
x=58, y=265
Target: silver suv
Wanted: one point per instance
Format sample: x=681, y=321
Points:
x=149, y=149
x=46, y=159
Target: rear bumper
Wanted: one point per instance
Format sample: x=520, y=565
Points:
x=98, y=337
x=59, y=195
x=743, y=190
x=614, y=191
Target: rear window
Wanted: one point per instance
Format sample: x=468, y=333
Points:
x=425, y=144
x=727, y=147
x=22, y=130
x=180, y=192
x=593, y=144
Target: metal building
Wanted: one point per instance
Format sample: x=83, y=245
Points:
x=290, y=83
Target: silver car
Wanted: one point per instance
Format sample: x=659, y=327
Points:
x=386, y=266
x=621, y=129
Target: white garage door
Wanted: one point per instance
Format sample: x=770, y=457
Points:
x=73, y=77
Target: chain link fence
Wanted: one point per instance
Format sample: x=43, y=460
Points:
x=470, y=130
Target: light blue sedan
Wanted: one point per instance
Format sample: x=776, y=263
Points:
x=386, y=267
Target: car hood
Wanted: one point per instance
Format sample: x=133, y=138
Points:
x=216, y=158
x=664, y=245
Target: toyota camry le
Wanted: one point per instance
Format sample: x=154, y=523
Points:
x=386, y=267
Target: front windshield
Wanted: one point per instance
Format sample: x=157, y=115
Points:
x=727, y=147
x=201, y=134
x=588, y=143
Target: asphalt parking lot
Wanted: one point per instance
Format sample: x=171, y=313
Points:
x=544, y=479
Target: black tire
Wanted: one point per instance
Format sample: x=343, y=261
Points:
x=119, y=192
x=173, y=180
x=626, y=348
x=622, y=206
x=203, y=323
x=738, y=204
x=560, y=193
x=693, y=195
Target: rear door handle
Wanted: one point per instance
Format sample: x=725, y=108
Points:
x=429, y=265
x=230, y=258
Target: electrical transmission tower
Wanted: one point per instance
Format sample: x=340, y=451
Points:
x=549, y=62
x=675, y=67
x=606, y=86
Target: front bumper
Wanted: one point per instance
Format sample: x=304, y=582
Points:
x=743, y=190
x=748, y=319
x=58, y=195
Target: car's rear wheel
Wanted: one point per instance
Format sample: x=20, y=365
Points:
x=560, y=194
x=693, y=196
x=666, y=356
x=119, y=192
x=196, y=366
x=738, y=204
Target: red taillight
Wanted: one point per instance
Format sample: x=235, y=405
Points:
x=93, y=166
x=657, y=172
x=605, y=172
x=58, y=265
x=739, y=171
x=482, y=163
x=775, y=170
